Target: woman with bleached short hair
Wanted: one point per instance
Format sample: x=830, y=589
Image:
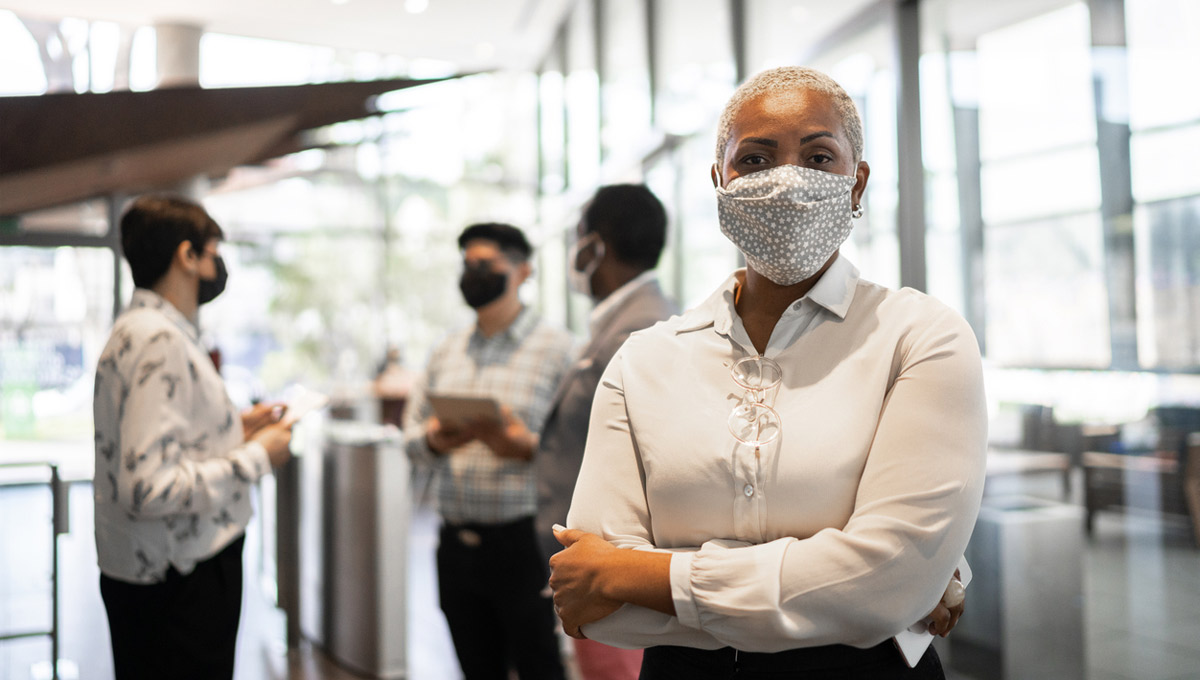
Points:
x=782, y=479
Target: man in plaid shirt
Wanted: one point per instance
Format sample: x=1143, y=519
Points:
x=492, y=577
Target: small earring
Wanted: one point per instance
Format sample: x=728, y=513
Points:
x=857, y=212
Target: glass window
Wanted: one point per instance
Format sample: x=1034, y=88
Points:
x=1165, y=122
x=582, y=98
x=625, y=89
x=1047, y=300
x=1035, y=89
x=1063, y=180
x=1162, y=40
x=1164, y=162
x=56, y=309
x=699, y=256
x=783, y=32
x=551, y=115
x=865, y=70
x=695, y=63
x=1168, y=283
x=1013, y=184
x=22, y=72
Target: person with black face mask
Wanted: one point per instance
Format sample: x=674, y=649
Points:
x=175, y=460
x=491, y=575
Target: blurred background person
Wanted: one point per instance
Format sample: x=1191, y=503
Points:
x=618, y=243
x=175, y=461
x=491, y=574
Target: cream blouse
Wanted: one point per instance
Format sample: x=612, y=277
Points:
x=847, y=527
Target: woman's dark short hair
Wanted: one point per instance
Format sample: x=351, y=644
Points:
x=508, y=238
x=631, y=221
x=152, y=229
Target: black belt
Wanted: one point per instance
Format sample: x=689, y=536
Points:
x=474, y=534
x=824, y=658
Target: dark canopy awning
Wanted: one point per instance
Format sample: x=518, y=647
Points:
x=62, y=148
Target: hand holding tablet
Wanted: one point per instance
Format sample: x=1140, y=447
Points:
x=456, y=412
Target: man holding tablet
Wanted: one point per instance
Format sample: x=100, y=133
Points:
x=491, y=575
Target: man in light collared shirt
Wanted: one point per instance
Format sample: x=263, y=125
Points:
x=491, y=575
x=619, y=240
x=174, y=459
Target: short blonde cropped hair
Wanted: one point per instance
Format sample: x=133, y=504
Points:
x=792, y=78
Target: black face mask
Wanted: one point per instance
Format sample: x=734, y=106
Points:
x=481, y=286
x=211, y=288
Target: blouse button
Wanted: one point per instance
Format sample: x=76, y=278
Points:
x=748, y=490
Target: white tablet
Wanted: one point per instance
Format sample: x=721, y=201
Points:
x=456, y=410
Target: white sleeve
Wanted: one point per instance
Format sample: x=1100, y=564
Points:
x=610, y=501
x=914, y=512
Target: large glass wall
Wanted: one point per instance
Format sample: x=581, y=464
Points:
x=1061, y=218
x=1049, y=139
x=56, y=307
x=336, y=254
x=1164, y=121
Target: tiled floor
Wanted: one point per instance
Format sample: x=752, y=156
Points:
x=1141, y=602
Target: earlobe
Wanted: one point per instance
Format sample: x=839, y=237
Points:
x=861, y=173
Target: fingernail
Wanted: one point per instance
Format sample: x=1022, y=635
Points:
x=558, y=527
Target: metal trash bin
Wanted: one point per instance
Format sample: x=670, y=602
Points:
x=353, y=531
x=1024, y=616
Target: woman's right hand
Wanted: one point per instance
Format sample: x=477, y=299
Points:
x=575, y=577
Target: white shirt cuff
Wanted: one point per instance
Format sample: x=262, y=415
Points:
x=256, y=454
x=681, y=590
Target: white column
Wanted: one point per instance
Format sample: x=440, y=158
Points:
x=178, y=51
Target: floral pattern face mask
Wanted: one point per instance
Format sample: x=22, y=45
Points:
x=788, y=221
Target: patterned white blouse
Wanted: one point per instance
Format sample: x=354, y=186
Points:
x=173, y=474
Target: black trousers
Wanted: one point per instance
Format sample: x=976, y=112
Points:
x=182, y=628
x=831, y=662
x=492, y=582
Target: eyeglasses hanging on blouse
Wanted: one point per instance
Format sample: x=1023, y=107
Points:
x=754, y=420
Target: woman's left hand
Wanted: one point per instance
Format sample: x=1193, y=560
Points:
x=576, y=576
x=945, y=615
x=259, y=416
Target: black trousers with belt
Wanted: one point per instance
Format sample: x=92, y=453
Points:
x=492, y=582
x=184, y=627
x=831, y=662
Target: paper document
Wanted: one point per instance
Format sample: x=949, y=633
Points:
x=914, y=641
x=301, y=403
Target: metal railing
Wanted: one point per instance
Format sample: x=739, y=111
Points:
x=60, y=524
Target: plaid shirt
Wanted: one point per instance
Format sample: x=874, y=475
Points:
x=519, y=367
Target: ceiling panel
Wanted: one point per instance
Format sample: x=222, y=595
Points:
x=474, y=34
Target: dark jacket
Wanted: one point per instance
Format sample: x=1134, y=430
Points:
x=560, y=452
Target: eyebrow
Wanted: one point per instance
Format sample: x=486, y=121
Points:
x=765, y=141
